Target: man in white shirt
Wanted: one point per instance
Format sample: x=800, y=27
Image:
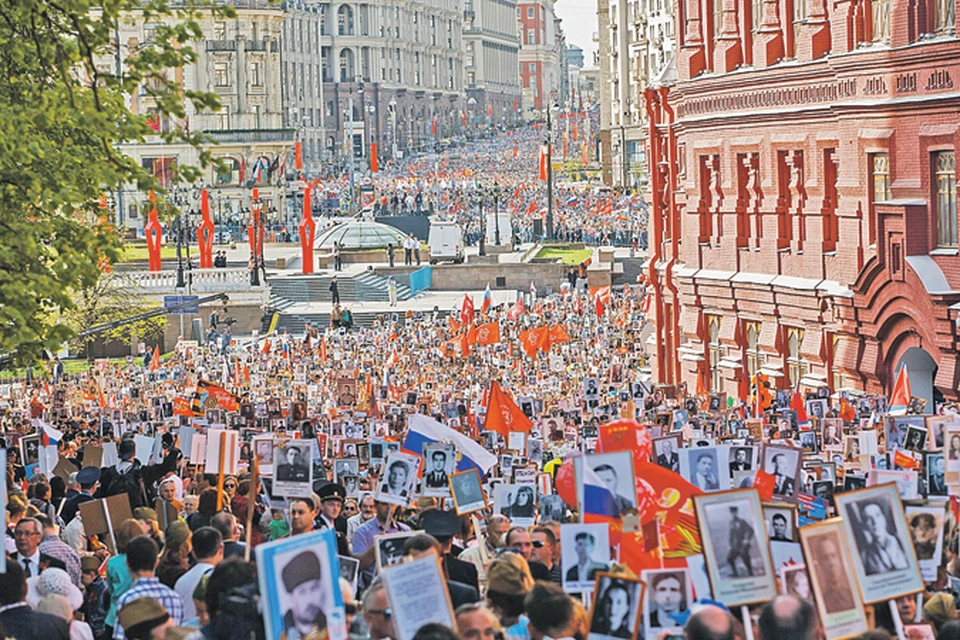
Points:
x=208, y=547
x=27, y=536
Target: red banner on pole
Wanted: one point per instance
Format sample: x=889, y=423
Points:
x=154, y=233
x=374, y=161
x=299, y=156
x=307, y=229
x=205, y=232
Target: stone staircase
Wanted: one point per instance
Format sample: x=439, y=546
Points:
x=286, y=291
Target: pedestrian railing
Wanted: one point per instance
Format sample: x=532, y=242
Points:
x=421, y=280
x=200, y=279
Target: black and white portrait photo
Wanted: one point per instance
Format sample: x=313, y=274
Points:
x=916, y=438
x=396, y=481
x=935, y=479
x=585, y=551
x=615, y=470
x=591, y=389
x=734, y=534
x=668, y=597
x=666, y=452
x=742, y=459
x=780, y=522
x=616, y=607
x=293, y=468
x=467, y=492
x=346, y=467
x=353, y=431
x=926, y=522
x=877, y=531
x=829, y=568
x=552, y=509
x=783, y=463
x=703, y=466
x=349, y=569
x=535, y=450
x=439, y=463
x=735, y=546
x=832, y=431
x=376, y=452
x=389, y=548
x=817, y=408
x=517, y=502
x=808, y=441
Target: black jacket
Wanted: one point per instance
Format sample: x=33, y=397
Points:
x=149, y=475
x=72, y=506
x=23, y=623
x=462, y=571
x=461, y=593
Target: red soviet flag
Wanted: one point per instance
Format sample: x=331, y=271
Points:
x=503, y=415
x=488, y=333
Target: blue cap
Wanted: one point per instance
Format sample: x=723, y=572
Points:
x=88, y=476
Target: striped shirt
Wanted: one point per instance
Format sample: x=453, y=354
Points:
x=150, y=588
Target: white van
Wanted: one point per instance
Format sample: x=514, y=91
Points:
x=446, y=242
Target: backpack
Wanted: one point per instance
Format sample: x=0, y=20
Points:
x=128, y=483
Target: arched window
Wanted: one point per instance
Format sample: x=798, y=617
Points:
x=346, y=65
x=345, y=20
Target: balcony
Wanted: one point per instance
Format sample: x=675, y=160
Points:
x=251, y=135
x=221, y=45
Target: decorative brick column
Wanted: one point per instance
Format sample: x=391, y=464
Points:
x=768, y=43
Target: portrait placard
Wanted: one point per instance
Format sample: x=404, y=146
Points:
x=299, y=584
x=926, y=521
x=735, y=546
x=397, y=478
x=585, y=552
x=667, y=602
x=615, y=470
x=706, y=467
x=518, y=502
x=876, y=530
x=781, y=522
x=389, y=548
x=293, y=468
x=439, y=463
x=616, y=607
x=831, y=572
x=418, y=595
x=467, y=491
x=783, y=463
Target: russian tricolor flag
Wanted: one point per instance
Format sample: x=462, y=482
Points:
x=599, y=503
x=487, y=300
x=422, y=430
x=48, y=435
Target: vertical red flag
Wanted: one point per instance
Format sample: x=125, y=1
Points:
x=374, y=161
x=298, y=156
x=503, y=415
x=543, y=162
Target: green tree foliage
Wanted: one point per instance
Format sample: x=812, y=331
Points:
x=62, y=116
x=111, y=297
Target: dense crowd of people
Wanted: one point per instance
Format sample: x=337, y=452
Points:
x=180, y=564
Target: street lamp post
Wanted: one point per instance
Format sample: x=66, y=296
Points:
x=549, y=174
x=496, y=213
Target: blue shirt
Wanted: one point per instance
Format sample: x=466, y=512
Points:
x=150, y=588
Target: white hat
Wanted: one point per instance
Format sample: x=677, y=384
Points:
x=53, y=581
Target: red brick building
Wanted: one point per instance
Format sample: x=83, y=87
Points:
x=803, y=188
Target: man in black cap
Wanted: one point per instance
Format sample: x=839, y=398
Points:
x=331, y=504
x=444, y=525
x=87, y=478
x=301, y=579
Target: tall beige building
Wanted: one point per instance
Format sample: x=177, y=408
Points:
x=636, y=44
x=239, y=60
